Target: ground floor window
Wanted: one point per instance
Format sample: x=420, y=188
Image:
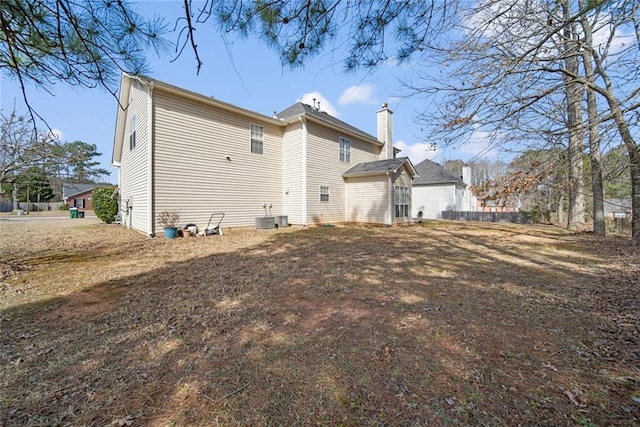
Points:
x=78, y=203
x=324, y=193
x=402, y=201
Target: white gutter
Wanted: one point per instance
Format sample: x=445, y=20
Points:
x=150, y=202
x=304, y=171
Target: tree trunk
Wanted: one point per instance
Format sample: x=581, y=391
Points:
x=634, y=164
x=599, y=225
x=574, y=92
x=561, y=209
x=14, y=195
x=631, y=145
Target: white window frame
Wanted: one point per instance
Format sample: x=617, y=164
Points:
x=403, y=199
x=345, y=149
x=324, y=193
x=257, y=139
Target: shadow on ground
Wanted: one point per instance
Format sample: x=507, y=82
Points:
x=425, y=325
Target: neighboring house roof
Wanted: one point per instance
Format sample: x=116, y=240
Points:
x=430, y=172
x=617, y=205
x=380, y=167
x=301, y=110
x=70, y=189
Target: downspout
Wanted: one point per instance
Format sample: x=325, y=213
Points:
x=455, y=198
x=150, y=204
x=390, y=203
x=304, y=171
x=116, y=165
x=123, y=218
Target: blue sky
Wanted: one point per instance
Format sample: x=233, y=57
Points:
x=248, y=74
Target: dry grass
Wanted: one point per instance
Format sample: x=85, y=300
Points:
x=434, y=324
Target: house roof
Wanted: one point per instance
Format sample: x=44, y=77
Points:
x=71, y=189
x=292, y=113
x=300, y=109
x=380, y=167
x=430, y=172
x=617, y=205
x=125, y=88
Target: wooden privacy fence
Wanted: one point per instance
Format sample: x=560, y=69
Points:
x=515, y=217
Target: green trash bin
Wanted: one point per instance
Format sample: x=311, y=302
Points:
x=73, y=213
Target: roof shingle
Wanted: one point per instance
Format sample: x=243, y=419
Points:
x=300, y=109
x=376, y=168
x=430, y=172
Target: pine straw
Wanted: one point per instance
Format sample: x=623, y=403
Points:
x=434, y=324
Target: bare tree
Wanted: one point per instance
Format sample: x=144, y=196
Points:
x=497, y=88
x=570, y=52
x=22, y=147
x=595, y=155
x=510, y=65
x=620, y=88
x=534, y=180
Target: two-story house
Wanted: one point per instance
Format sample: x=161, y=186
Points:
x=176, y=149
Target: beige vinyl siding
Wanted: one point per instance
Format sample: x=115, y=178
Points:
x=292, y=174
x=134, y=170
x=191, y=145
x=402, y=179
x=324, y=168
x=367, y=199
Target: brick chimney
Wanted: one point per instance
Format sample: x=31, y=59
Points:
x=385, y=132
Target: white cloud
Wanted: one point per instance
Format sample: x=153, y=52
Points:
x=57, y=133
x=53, y=135
x=358, y=94
x=417, y=152
x=477, y=146
x=619, y=41
x=316, y=97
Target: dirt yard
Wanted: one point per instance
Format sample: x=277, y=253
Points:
x=434, y=324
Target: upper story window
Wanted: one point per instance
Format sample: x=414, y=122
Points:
x=132, y=134
x=257, y=139
x=345, y=149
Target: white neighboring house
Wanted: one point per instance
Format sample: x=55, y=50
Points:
x=176, y=149
x=618, y=208
x=435, y=189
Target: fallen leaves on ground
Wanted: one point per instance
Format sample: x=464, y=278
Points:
x=434, y=324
